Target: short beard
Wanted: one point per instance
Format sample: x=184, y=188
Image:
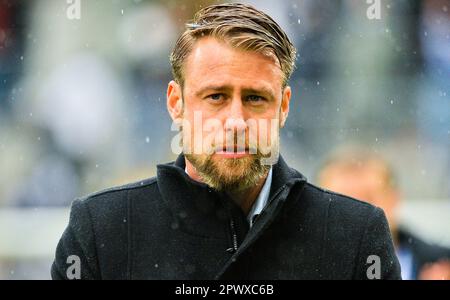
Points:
x=229, y=174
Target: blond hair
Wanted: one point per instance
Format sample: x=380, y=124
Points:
x=241, y=26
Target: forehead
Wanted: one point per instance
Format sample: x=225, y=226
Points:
x=212, y=61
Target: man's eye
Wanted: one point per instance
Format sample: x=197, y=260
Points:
x=216, y=97
x=255, y=98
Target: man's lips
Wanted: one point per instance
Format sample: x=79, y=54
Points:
x=233, y=153
x=233, y=150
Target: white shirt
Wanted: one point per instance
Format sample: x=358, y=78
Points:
x=262, y=199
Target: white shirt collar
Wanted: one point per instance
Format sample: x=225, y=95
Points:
x=262, y=199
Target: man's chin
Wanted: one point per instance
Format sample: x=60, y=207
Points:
x=231, y=164
x=229, y=173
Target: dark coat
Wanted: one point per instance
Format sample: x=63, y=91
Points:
x=172, y=227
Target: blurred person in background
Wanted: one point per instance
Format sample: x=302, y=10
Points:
x=12, y=38
x=358, y=172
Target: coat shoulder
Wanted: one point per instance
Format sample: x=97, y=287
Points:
x=119, y=191
x=110, y=203
x=340, y=207
x=352, y=233
x=98, y=231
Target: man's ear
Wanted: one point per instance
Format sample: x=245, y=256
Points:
x=174, y=100
x=284, y=109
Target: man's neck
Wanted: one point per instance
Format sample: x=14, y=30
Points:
x=245, y=198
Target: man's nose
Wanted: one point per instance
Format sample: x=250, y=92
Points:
x=235, y=117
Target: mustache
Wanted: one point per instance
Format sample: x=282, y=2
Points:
x=235, y=142
x=236, y=149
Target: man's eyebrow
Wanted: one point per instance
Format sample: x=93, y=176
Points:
x=259, y=90
x=245, y=90
x=218, y=88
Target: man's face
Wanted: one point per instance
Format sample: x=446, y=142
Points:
x=238, y=98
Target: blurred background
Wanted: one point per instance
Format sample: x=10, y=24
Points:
x=82, y=104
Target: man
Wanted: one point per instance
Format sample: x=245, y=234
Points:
x=229, y=207
x=359, y=173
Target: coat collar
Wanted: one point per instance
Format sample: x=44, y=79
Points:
x=203, y=211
